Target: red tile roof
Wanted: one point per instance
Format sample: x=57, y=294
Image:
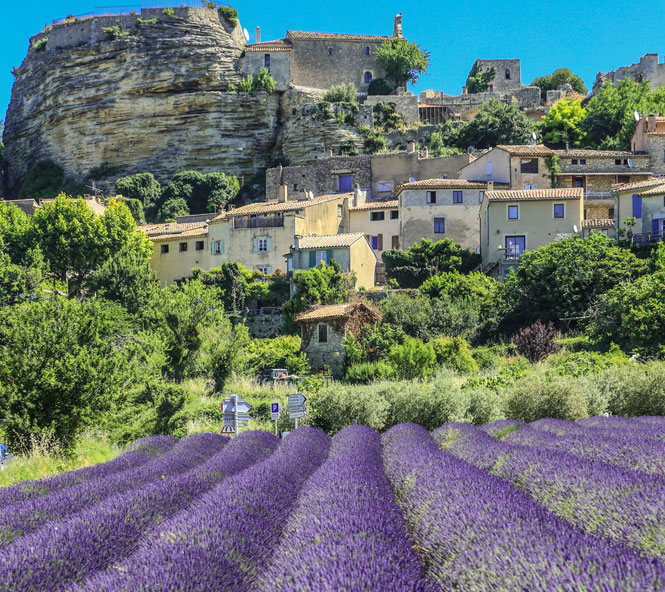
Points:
x=638, y=184
x=376, y=205
x=535, y=194
x=269, y=207
x=340, y=36
x=526, y=150
x=598, y=154
x=276, y=45
x=334, y=311
x=441, y=184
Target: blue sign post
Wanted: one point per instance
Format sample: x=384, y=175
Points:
x=274, y=414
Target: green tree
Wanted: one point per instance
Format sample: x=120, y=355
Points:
x=632, y=315
x=562, y=279
x=14, y=228
x=43, y=181
x=562, y=124
x=437, y=147
x=425, y=259
x=477, y=81
x=142, y=186
x=556, y=79
x=62, y=365
x=201, y=192
x=496, y=123
x=342, y=93
x=412, y=359
x=403, y=62
x=18, y=282
x=171, y=209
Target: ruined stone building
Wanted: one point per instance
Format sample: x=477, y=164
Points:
x=648, y=68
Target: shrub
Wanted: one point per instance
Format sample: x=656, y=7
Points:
x=586, y=362
x=367, y=372
x=168, y=12
x=634, y=389
x=455, y=353
x=386, y=117
x=540, y=395
x=379, y=86
x=374, y=142
x=486, y=358
x=261, y=81
x=484, y=405
x=114, y=32
x=40, y=44
x=341, y=93
x=141, y=21
x=43, y=181
x=281, y=352
x=230, y=15
x=536, y=342
x=412, y=359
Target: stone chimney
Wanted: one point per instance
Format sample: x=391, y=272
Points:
x=258, y=34
x=426, y=152
x=296, y=241
x=490, y=185
x=651, y=123
x=282, y=193
x=359, y=196
x=397, y=26
x=411, y=146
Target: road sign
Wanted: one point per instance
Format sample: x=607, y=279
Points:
x=228, y=405
x=274, y=414
x=228, y=430
x=296, y=409
x=240, y=416
x=274, y=407
x=297, y=399
x=235, y=413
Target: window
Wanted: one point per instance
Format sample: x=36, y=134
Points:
x=183, y=247
x=488, y=168
x=266, y=61
x=384, y=186
x=610, y=213
x=395, y=241
x=339, y=211
x=529, y=186
x=625, y=161
x=394, y=214
x=457, y=197
x=558, y=210
x=367, y=51
x=377, y=216
x=604, y=231
x=617, y=161
x=513, y=212
x=321, y=256
x=507, y=74
x=164, y=250
x=582, y=160
x=637, y=206
x=368, y=77
x=330, y=51
x=578, y=182
x=217, y=247
x=262, y=245
x=515, y=246
x=430, y=197
x=490, y=88
x=439, y=225
x=528, y=165
x=199, y=245
x=573, y=161
x=295, y=187
x=345, y=183
x=481, y=196
x=264, y=269
x=377, y=242
x=323, y=333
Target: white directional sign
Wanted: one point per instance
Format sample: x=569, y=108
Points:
x=228, y=405
x=235, y=414
x=297, y=406
x=297, y=399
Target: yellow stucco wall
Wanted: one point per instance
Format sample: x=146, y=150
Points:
x=363, y=264
x=653, y=206
x=536, y=223
x=360, y=221
x=177, y=265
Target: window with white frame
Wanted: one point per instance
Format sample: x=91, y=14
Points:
x=321, y=256
x=264, y=269
x=430, y=197
x=262, y=245
x=217, y=247
x=384, y=186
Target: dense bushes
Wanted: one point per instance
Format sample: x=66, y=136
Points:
x=536, y=341
x=281, y=352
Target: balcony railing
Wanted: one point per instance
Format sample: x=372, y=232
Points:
x=598, y=195
x=258, y=222
x=648, y=238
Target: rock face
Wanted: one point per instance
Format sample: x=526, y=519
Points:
x=151, y=100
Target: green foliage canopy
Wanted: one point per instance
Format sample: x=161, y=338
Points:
x=477, y=81
x=402, y=61
x=201, y=192
x=496, y=123
x=556, y=79
x=43, y=181
x=562, y=124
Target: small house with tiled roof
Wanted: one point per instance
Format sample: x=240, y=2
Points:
x=259, y=235
x=441, y=208
x=515, y=221
x=318, y=60
x=324, y=328
x=649, y=138
x=351, y=251
x=645, y=203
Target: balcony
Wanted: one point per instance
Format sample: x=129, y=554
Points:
x=258, y=222
x=591, y=195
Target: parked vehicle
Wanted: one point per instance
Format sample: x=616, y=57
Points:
x=278, y=375
x=5, y=456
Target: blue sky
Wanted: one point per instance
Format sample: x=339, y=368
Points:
x=581, y=35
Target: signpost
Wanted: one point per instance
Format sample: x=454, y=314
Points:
x=234, y=414
x=274, y=414
x=297, y=406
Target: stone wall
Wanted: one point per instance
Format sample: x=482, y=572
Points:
x=648, y=68
x=501, y=83
x=656, y=148
x=405, y=105
x=331, y=353
x=280, y=66
x=264, y=325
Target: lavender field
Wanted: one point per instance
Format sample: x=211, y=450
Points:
x=551, y=505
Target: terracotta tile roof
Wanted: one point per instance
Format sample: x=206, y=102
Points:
x=271, y=207
x=614, y=173
x=638, y=184
x=29, y=206
x=441, y=184
x=340, y=36
x=276, y=45
x=376, y=205
x=526, y=150
x=657, y=190
x=173, y=230
x=329, y=241
x=535, y=194
x=333, y=311
x=600, y=223
x=598, y=154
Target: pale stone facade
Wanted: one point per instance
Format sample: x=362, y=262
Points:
x=648, y=68
x=649, y=138
x=645, y=202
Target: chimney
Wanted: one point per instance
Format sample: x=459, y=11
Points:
x=411, y=146
x=282, y=193
x=296, y=241
x=490, y=185
x=359, y=197
x=397, y=26
x=426, y=152
x=330, y=152
x=651, y=123
x=258, y=34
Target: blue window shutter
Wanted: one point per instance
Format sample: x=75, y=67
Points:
x=221, y=246
x=329, y=256
x=637, y=206
x=256, y=244
x=212, y=247
x=269, y=244
x=312, y=259
x=268, y=270
x=654, y=226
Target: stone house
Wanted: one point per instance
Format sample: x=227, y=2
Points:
x=318, y=60
x=648, y=68
x=606, y=226
x=323, y=330
x=644, y=201
x=351, y=251
x=259, y=235
x=377, y=220
x=513, y=222
x=441, y=208
x=177, y=248
x=649, y=138
x=28, y=206
x=507, y=75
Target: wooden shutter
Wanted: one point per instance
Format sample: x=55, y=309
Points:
x=380, y=242
x=654, y=226
x=312, y=259
x=329, y=256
